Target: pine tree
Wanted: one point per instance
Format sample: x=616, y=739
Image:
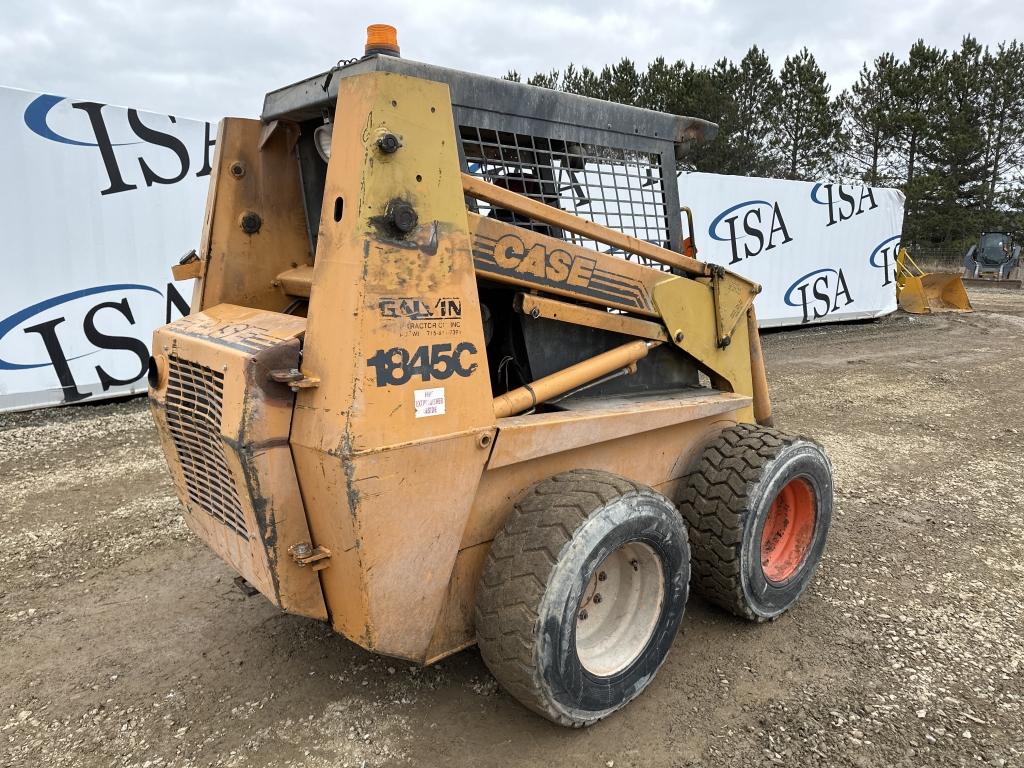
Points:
x=621, y=82
x=1003, y=110
x=709, y=96
x=549, y=80
x=916, y=84
x=952, y=191
x=871, y=126
x=740, y=99
x=584, y=82
x=757, y=95
x=809, y=121
x=660, y=90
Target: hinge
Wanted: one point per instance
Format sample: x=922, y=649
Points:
x=294, y=378
x=305, y=554
x=733, y=295
x=188, y=268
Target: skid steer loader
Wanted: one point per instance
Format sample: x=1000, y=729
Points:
x=441, y=383
x=994, y=261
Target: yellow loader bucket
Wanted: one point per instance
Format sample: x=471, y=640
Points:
x=920, y=292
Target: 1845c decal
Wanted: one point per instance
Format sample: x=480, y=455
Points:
x=434, y=362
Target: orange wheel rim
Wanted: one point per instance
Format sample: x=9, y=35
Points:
x=788, y=531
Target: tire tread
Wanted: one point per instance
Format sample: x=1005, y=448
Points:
x=716, y=503
x=519, y=565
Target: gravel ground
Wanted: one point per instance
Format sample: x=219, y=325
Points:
x=126, y=643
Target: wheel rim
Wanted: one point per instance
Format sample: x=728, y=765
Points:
x=788, y=531
x=620, y=609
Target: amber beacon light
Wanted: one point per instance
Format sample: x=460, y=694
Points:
x=382, y=38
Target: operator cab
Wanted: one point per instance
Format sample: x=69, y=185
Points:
x=609, y=163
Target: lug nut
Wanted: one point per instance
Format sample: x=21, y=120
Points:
x=583, y=615
x=597, y=598
x=602, y=576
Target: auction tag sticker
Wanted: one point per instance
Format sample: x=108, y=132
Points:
x=429, y=402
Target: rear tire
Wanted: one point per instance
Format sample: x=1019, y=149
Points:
x=758, y=507
x=582, y=594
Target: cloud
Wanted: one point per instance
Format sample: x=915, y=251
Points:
x=207, y=59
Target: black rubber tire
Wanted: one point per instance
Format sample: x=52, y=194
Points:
x=534, y=579
x=725, y=503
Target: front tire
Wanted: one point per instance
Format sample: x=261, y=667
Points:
x=759, y=508
x=582, y=594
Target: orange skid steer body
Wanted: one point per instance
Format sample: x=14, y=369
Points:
x=429, y=303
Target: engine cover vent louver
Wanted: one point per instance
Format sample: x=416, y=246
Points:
x=194, y=404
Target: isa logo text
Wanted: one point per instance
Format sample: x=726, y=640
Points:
x=843, y=202
x=136, y=152
x=88, y=340
x=819, y=293
x=883, y=257
x=751, y=228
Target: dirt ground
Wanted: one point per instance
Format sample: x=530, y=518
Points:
x=125, y=642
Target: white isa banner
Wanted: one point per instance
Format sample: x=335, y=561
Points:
x=822, y=252
x=97, y=203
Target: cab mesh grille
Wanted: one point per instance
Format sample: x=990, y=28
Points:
x=195, y=396
x=618, y=188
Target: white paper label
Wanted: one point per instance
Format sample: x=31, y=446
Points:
x=429, y=402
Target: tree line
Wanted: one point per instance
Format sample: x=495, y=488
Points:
x=946, y=127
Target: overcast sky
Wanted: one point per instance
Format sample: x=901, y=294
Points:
x=195, y=58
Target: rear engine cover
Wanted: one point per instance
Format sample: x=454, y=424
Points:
x=224, y=426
